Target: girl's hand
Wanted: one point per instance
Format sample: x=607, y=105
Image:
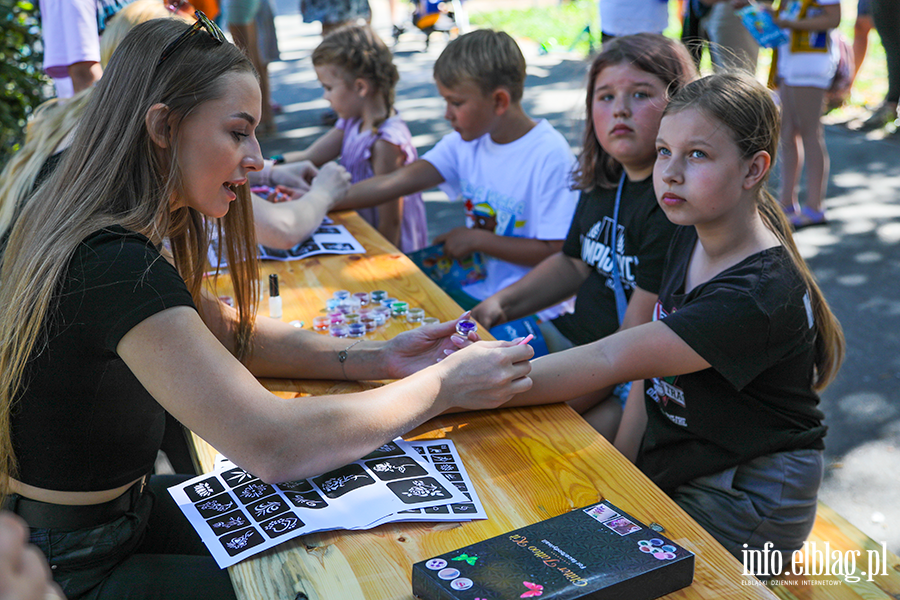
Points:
x=460, y=242
x=333, y=181
x=485, y=375
x=283, y=193
x=296, y=175
x=422, y=347
x=489, y=312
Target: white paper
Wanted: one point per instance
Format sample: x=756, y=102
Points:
x=237, y=515
x=443, y=457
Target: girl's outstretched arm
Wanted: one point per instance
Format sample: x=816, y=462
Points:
x=321, y=151
x=651, y=350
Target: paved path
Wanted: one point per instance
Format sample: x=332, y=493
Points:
x=856, y=257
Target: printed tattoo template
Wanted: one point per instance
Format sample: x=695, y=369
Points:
x=443, y=457
x=237, y=515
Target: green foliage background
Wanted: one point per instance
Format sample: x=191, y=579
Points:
x=21, y=78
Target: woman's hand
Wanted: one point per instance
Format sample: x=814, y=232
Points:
x=24, y=573
x=333, y=181
x=413, y=350
x=485, y=375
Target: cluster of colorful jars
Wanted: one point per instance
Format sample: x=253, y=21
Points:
x=355, y=315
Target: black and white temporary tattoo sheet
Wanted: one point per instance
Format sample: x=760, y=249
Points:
x=442, y=455
x=237, y=515
x=328, y=238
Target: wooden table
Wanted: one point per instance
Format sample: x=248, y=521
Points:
x=527, y=464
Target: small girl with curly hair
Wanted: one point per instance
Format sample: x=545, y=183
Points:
x=356, y=70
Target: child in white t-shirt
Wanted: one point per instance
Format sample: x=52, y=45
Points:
x=514, y=174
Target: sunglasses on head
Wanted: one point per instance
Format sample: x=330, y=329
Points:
x=203, y=22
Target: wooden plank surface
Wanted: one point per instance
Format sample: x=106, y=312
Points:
x=527, y=464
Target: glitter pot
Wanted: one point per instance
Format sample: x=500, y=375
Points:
x=351, y=318
x=430, y=321
x=380, y=318
x=341, y=294
x=338, y=331
x=465, y=327
x=363, y=298
x=356, y=330
x=321, y=323
x=384, y=311
x=368, y=321
x=376, y=296
x=388, y=301
x=415, y=315
x=332, y=304
x=399, y=308
x=336, y=318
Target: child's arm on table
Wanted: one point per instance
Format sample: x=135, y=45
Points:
x=324, y=149
x=414, y=177
x=556, y=278
x=387, y=158
x=637, y=353
x=460, y=242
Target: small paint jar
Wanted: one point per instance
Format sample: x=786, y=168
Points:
x=356, y=330
x=341, y=295
x=384, y=311
x=369, y=321
x=321, y=323
x=296, y=323
x=332, y=304
x=388, y=301
x=415, y=315
x=430, y=321
x=363, y=298
x=380, y=318
x=338, y=331
x=349, y=305
x=336, y=318
x=350, y=318
x=399, y=308
x=465, y=327
x=376, y=296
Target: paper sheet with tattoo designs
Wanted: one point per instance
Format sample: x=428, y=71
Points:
x=237, y=515
x=442, y=455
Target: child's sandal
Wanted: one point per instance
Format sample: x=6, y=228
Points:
x=808, y=217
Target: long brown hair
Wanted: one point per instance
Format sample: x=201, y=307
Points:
x=666, y=59
x=114, y=174
x=745, y=107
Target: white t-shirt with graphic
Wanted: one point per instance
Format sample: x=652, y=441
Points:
x=519, y=189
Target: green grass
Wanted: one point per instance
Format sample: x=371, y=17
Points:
x=557, y=28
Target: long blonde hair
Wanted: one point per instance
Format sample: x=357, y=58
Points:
x=54, y=120
x=114, y=174
x=746, y=107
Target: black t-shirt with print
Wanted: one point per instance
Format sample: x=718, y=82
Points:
x=754, y=325
x=643, y=238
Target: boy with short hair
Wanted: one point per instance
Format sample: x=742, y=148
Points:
x=513, y=173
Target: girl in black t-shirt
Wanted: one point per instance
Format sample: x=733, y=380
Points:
x=742, y=338
x=626, y=94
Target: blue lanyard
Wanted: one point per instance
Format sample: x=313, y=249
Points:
x=621, y=300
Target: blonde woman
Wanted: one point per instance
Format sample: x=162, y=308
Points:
x=103, y=334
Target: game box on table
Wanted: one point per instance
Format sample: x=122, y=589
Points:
x=596, y=552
